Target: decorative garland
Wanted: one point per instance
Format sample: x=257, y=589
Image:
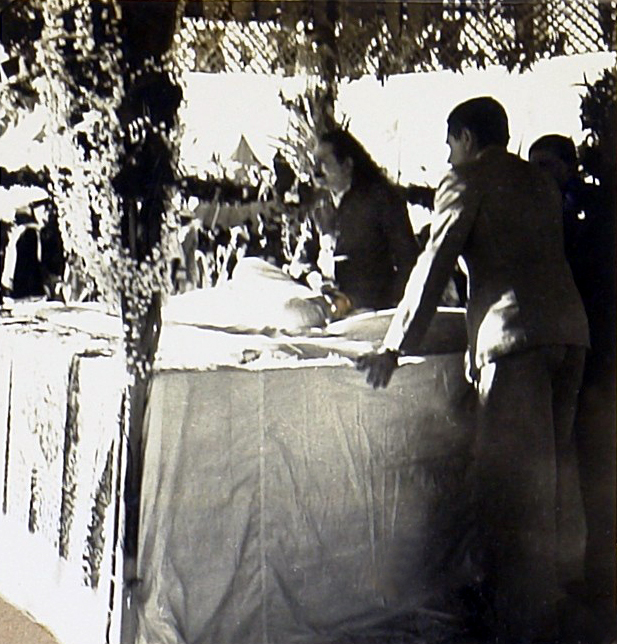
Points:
x=152, y=130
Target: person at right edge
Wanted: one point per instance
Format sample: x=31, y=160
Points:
x=527, y=336
x=589, y=237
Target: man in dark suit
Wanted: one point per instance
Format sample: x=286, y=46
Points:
x=371, y=240
x=527, y=336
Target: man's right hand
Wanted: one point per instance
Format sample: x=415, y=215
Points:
x=380, y=367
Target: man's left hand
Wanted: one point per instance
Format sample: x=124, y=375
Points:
x=380, y=367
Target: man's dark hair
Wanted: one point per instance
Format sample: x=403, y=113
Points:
x=346, y=146
x=561, y=146
x=484, y=117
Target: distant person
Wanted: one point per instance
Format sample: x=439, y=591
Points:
x=367, y=244
x=285, y=176
x=527, y=335
x=22, y=270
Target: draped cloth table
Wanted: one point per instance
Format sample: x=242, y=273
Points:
x=293, y=503
x=284, y=501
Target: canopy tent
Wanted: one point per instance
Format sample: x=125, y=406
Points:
x=244, y=155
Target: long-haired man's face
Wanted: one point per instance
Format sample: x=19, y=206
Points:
x=328, y=172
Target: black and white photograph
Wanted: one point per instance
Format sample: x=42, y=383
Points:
x=307, y=322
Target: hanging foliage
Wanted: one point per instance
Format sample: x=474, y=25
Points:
x=21, y=29
x=113, y=136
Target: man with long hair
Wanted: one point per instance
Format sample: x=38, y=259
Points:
x=372, y=240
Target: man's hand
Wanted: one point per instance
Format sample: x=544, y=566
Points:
x=380, y=367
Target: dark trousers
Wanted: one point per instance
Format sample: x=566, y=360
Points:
x=528, y=498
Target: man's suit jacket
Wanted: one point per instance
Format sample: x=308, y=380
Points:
x=376, y=244
x=504, y=217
